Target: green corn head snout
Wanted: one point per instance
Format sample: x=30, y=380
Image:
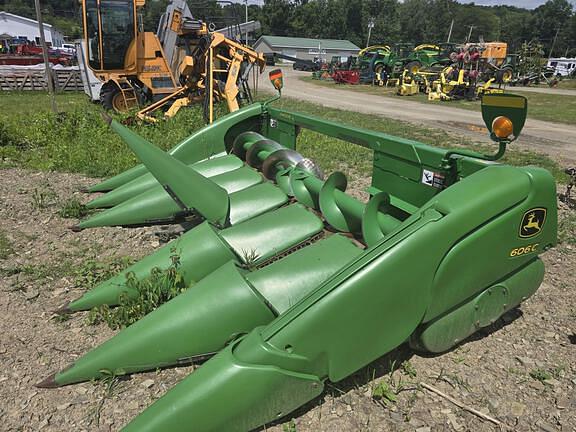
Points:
x=294, y=282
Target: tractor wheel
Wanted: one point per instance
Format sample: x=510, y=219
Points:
x=504, y=76
x=381, y=70
x=413, y=67
x=112, y=100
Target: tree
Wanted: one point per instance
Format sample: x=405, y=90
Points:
x=277, y=17
x=386, y=20
x=551, y=21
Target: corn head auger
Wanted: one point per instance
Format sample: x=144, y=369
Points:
x=447, y=243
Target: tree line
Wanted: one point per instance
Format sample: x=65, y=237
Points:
x=410, y=21
x=422, y=21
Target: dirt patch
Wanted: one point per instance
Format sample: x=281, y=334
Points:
x=520, y=371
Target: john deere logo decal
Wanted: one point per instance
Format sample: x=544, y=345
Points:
x=532, y=222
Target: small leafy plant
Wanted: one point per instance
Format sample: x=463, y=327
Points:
x=151, y=292
x=540, y=374
x=383, y=392
x=93, y=272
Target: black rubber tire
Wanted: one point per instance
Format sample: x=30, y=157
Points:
x=381, y=69
x=413, y=67
x=107, y=94
x=503, y=76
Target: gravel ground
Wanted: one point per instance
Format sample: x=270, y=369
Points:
x=495, y=372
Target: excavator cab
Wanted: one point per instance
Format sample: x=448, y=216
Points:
x=110, y=30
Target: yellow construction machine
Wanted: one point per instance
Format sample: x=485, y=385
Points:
x=185, y=62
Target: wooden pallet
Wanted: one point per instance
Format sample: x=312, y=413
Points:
x=26, y=79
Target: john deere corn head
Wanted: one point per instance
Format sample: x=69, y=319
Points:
x=293, y=281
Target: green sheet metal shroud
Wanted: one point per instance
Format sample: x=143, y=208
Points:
x=445, y=245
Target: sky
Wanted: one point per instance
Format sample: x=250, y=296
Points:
x=529, y=4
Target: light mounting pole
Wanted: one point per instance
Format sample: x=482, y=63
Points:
x=370, y=27
x=49, y=81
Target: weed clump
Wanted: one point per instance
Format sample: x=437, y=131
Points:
x=160, y=287
x=5, y=246
x=73, y=209
x=93, y=272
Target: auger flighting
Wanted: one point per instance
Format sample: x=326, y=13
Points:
x=442, y=248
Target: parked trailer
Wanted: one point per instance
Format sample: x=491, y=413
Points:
x=562, y=66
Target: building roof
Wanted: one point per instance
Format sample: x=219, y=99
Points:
x=306, y=43
x=21, y=18
x=240, y=29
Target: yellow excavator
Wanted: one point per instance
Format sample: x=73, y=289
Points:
x=185, y=62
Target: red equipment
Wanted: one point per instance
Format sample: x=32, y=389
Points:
x=346, y=76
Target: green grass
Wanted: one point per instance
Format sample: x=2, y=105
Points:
x=5, y=246
x=567, y=84
x=92, y=272
x=567, y=229
x=77, y=140
x=541, y=106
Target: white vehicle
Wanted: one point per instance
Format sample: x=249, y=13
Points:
x=562, y=66
x=66, y=48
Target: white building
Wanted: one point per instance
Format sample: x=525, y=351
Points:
x=21, y=27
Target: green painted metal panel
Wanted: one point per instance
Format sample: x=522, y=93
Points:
x=287, y=281
x=226, y=394
x=190, y=189
x=201, y=250
x=209, y=168
x=272, y=232
x=502, y=195
x=157, y=206
x=481, y=311
x=515, y=107
x=254, y=201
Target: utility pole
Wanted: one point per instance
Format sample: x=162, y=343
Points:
x=554, y=42
x=246, y=21
x=470, y=33
x=450, y=31
x=370, y=27
x=45, y=55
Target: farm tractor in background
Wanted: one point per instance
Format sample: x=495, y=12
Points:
x=285, y=275
x=472, y=71
x=184, y=63
x=383, y=65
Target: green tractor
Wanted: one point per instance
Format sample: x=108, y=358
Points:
x=427, y=56
x=381, y=63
